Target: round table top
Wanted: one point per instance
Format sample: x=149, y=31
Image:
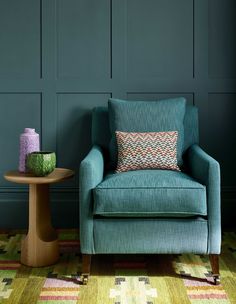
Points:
x=58, y=175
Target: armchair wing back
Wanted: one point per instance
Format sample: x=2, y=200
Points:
x=149, y=211
x=101, y=132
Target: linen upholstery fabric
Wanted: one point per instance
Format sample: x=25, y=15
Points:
x=150, y=236
x=90, y=175
x=149, y=150
x=206, y=170
x=100, y=234
x=101, y=134
x=146, y=116
x=150, y=193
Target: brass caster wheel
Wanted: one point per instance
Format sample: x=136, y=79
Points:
x=217, y=280
x=84, y=279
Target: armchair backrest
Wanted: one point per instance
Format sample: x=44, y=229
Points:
x=101, y=131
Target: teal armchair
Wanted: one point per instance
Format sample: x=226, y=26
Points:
x=149, y=211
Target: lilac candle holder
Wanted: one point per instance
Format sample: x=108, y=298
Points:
x=29, y=142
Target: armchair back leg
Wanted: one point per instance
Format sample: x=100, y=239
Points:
x=86, y=265
x=214, y=260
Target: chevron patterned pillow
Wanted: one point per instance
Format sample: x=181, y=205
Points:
x=149, y=150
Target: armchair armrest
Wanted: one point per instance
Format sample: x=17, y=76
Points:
x=206, y=170
x=90, y=175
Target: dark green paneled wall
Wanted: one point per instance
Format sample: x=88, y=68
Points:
x=60, y=58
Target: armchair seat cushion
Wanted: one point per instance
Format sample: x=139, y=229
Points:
x=149, y=193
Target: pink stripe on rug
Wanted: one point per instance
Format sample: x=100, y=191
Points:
x=47, y=298
x=74, y=289
x=200, y=283
x=60, y=283
x=208, y=296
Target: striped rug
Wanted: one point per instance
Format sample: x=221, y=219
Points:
x=115, y=279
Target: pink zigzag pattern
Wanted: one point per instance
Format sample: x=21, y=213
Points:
x=148, y=150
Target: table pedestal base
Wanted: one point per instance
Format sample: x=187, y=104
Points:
x=40, y=247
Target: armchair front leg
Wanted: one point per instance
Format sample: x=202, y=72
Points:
x=214, y=260
x=86, y=265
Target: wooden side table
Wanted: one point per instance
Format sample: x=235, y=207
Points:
x=40, y=246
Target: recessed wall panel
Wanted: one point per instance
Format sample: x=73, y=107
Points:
x=222, y=139
x=17, y=111
x=74, y=126
x=159, y=38
x=222, y=42
x=158, y=96
x=20, y=38
x=83, y=38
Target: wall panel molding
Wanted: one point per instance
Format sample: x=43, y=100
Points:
x=18, y=110
x=83, y=39
x=222, y=44
x=77, y=53
x=222, y=117
x=149, y=96
x=154, y=43
x=74, y=127
x=21, y=39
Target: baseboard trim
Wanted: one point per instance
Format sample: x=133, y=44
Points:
x=14, y=209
